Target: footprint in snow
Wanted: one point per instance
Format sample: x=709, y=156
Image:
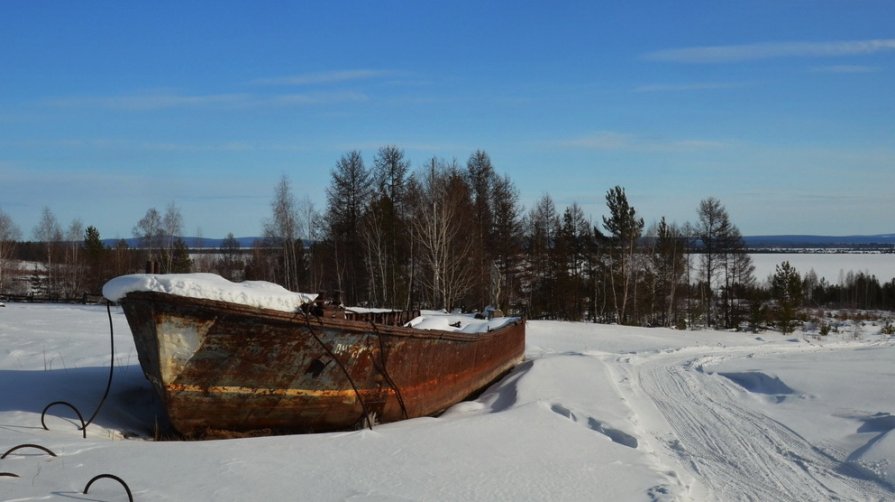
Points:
x=616, y=435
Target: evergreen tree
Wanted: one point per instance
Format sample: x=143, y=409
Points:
x=180, y=258
x=95, y=252
x=385, y=219
x=724, y=264
x=507, y=232
x=571, y=256
x=229, y=264
x=625, y=229
x=786, y=288
x=480, y=178
x=540, y=282
x=669, y=266
x=347, y=197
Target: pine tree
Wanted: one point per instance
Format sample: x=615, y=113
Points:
x=480, y=179
x=786, y=288
x=95, y=251
x=384, y=220
x=624, y=229
x=507, y=233
x=347, y=198
x=229, y=264
x=540, y=282
x=669, y=266
x=180, y=257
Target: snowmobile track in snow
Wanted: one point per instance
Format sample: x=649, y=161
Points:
x=736, y=452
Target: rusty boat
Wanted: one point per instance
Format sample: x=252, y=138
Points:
x=222, y=366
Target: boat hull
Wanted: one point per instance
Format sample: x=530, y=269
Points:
x=223, y=367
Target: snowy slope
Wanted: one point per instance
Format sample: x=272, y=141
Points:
x=595, y=413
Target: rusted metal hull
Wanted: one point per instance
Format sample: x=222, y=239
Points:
x=224, y=367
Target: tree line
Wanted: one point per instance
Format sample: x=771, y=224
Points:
x=452, y=236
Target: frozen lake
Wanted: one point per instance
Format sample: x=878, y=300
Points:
x=831, y=266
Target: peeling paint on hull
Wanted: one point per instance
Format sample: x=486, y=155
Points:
x=221, y=366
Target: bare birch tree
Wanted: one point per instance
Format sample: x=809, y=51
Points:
x=438, y=224
x=385, y=250
x=74, y=268
x=172, y=228
x=49, y=233
x=149, y=231
x=9, y=234
x=283, y=231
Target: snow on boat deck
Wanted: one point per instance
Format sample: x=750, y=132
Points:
x=267, y=295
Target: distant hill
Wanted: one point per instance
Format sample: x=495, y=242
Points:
x=820, y=241
x=192, y=242
x=752, y=241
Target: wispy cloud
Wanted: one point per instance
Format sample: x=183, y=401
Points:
x=750, y=52
x=845, y=68
x=693, y=86
x=150, y=102
x=141, y=102
x=428, y=148
x=108, y=144
x=609, y=141
x=329, y=77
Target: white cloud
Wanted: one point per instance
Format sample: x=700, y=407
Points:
x=750, y=52
x=330, y=77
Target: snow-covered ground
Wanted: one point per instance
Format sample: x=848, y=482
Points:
x=595, y=412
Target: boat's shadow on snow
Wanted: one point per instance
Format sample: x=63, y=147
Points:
x=131, y=407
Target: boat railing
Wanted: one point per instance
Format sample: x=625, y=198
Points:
x=390, y=318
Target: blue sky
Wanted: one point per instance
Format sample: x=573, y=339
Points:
x=784, y=110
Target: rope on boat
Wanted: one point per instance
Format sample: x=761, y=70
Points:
x=130, y=496
x=108, y=384
x=344, y=370
x=111, y=364
x=27, y=445
x=382, y=369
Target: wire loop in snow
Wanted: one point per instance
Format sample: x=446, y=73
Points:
x=108, y=383
x=27, y=445
x=111, y=476
x=66, y=403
